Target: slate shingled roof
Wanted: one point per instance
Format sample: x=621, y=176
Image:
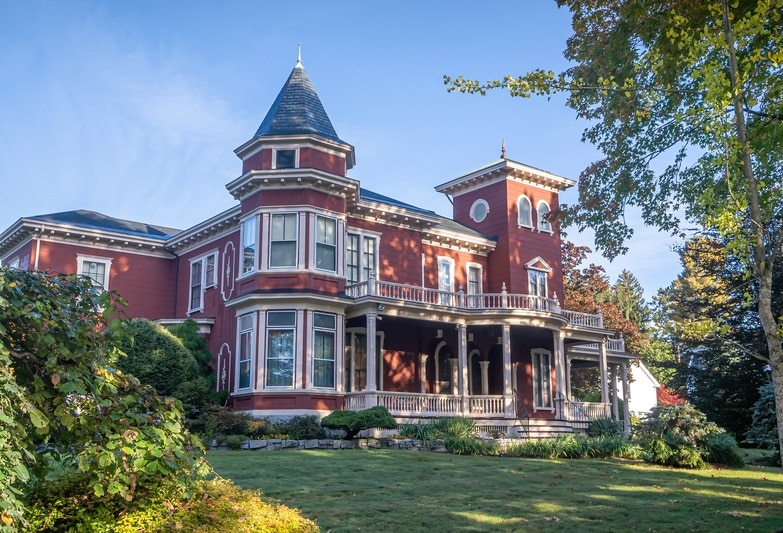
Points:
x=94, y=220
x=298, y=110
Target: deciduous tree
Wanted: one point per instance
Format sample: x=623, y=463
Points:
x=685, y=101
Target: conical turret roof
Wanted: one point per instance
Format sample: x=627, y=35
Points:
x=297, y=110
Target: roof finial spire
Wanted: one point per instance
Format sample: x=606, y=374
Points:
x=299, y=56
x=503, y=148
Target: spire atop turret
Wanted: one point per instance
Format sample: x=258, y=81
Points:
x=299, y=58
x=503, y=149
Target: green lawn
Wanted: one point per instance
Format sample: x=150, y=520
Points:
x=390, y=491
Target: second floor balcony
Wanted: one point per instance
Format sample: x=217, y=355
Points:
x=459, y=300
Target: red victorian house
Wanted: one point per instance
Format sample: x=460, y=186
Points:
x=316, y=294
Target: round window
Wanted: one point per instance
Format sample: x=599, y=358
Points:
x=479, y=210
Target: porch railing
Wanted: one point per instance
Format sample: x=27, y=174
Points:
x=413, y=404
x=581, y=413
x=460, y=300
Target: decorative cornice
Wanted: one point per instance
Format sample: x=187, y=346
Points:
x=215, y=227
x=295, y=178
x=505, y=169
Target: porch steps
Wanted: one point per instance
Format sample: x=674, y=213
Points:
x=541, y=429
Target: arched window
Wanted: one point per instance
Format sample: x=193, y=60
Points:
x=543, y=217
x=525, y=212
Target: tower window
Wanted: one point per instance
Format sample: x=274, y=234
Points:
x=285, y=159
x=479, y=210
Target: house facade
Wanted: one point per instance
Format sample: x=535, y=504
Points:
x=317, y=294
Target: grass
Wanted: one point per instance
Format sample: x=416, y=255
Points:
x=394, y=490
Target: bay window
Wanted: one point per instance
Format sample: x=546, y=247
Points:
x=280, y=348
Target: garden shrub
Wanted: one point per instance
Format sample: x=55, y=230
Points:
x=604, y=427
x=679, y=436
x=470, y=446
x=575, y=447
x=234, y=442
x=723, y=449
x=355, y=421
x=304, y=427
x=222, y=421
x=214, y=506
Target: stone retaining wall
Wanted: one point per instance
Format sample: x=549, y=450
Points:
x=335, y=444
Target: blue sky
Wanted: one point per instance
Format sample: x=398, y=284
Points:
x=134, y=108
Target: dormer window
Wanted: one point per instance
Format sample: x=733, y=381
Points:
x=285, y=158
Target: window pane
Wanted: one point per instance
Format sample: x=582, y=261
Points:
x=525, y=218
x=283, y=254
x=210, y=268
x=280, y=358
x=352, y=259
x=95, y=271
x=281, y=318
x=369, y=253
x=543, y=222
x=249, y=239
x=326, y=257
x=326, y=231
x=285, y=158
x=323, y=320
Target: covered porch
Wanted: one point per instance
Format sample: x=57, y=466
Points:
x=500, y=359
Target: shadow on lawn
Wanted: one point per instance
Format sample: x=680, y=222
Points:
x=418, y=491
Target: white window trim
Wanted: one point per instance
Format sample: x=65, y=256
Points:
x=441, y=260
x=298, y=353
x=535, y=355
x=480, y=268
x=476, y=204
x=266, y=239
x=204, y=286
x=519, y=212
x=241, y=270
x=541, y=220
x=339, y=228
x=363, y=234
x=253, y=350
x=282, y=149
x=339, y=351
x=106, y=261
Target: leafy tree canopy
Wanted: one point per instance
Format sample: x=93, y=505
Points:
x=685, y=102
x=69, y=420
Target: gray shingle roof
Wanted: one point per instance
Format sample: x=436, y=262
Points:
x=297, y=110
x=94, y=220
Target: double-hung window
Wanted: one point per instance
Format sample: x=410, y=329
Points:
x=203, y=275
x=543, y=217
x=446, y=280
x=525, y=212
x=249, y=244
x=283, y=240
x=324, y=334
x=537, y=282
x=280, y=348
x=542, y=379
x=361, y=257
x=95, y=268
x=245, y=352
x=474, y=285
x=325, y=243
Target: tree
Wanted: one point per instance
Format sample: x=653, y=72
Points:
x=72, y=423
x=628, y=296
x=707, y=317
x=160, y=359
x=587, y=289
x=685, y=101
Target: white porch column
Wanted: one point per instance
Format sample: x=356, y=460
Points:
x=603, y=369
x=568, y=377
x=626, y=401
x=423, y=371
x=484, y=377
x=454, y=375
x=462, y=354
x=508, y=391
x=560, y=382
x=615, y=403
x=372, y=384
